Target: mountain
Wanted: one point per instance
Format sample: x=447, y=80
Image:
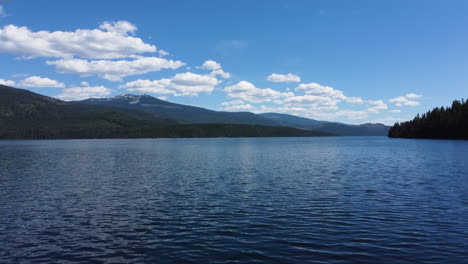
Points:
x=329, y=127
x=27, y=115
x=196, y=115
x=439, y=123
x=367, y=129
x=294, y=121
x=182, y=113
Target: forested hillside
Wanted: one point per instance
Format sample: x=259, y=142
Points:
x=439, y=123
x=27, y=115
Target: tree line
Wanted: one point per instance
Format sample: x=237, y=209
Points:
x=439, y=123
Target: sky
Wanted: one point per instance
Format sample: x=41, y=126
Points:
x=346, y=61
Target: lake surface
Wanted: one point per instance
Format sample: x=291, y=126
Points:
x=264, y=200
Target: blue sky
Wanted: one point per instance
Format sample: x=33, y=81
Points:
x=348, y=61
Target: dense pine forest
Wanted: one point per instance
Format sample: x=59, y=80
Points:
x=439, y=123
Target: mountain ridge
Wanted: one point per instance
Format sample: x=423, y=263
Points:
x=28, y=115
x=198, y=115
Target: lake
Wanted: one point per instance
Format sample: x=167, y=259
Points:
x=262, y=200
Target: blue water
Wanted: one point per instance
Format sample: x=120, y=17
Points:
x=268, y=200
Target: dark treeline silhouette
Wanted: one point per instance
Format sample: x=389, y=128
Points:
x=439, y=123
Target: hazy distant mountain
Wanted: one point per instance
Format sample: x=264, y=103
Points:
x=294, y=121
x=354, y=130
x=190, y=114
x=330, y=127
x=180, y=112
x=27, y=115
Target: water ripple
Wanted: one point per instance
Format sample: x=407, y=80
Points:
x=331, y=200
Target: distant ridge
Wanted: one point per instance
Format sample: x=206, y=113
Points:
x=183, y=113
x=197, y=115
x=27, y=115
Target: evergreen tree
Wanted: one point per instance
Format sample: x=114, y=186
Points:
x=439, y=123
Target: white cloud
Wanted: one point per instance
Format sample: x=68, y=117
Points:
x=237, y=105
x=326, y=91
x=109, y=42
x=248, y=92
x=317, y=89
x=3, y=13
x=413, y=96
x=321, y=97
x=354, y=100
x=395, y=111
x=211, y=65
x=221, y=73
x=81, y=93
x=275, y=77
x=307, y=110
x=376, y=106
x=318, y=102
x=186, y=84
x=215, y=68
x=34, y=82
x=120, y=27
x=147, y=86
x=312, y=101
x=37, y=81
x=7, y=82
x=404, y=101
x=114, y=70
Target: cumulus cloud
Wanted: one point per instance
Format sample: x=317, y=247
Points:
x=182, y=84
x=404, y=101
x=7, y=82
x=120, y=27
x=318, y=102
x=81, y=93
x=317, y=89
x=37, y=81
x=114, y=70
x=376, y=106
x=321, y=91
x=34, y=82
x=275, y=77
x=320, y=96
x=313, y=101
x=248, y=92
x=110, y=41
x=221, y=73
x=211, y=65
x=148, y=86
x=215, y=68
